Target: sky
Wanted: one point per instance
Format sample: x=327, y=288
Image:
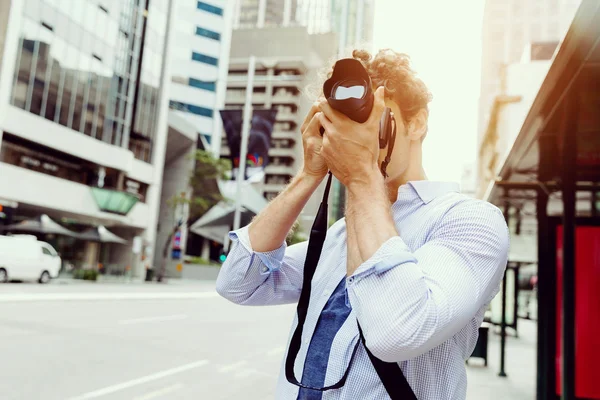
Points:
x=443, y=39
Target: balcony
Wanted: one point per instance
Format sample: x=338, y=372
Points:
x=296, y=136
x=285, y=98
x=240, y=81
x=280, y=170
x=239, y=97
x=282, y=152
x=273, y=187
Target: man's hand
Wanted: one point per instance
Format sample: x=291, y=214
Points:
x=351, y=149
x=271, y=226
x=312, y=142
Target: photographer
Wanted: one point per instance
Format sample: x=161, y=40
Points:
x=414, y=263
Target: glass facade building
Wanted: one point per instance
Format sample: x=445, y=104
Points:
x=93, y=67
x=202, y=36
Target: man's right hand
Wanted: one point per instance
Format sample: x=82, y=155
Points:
x=312, y=142
x=272, y=225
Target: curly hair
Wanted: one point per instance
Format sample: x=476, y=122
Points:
x=392, y=70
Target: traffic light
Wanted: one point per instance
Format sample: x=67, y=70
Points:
x=222, y=257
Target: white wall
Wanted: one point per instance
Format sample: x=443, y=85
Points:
x=46, y=191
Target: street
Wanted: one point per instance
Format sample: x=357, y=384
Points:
x=143, y=349
x=174, y=341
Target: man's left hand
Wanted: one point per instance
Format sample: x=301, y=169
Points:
x=351, y=149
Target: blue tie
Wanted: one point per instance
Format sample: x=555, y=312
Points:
x=330, y=321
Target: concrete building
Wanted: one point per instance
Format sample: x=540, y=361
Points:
x=83, y=116
x=199, y=41
x=521, y=83
x=509, y=28
x=283, y=70
x=264, y=13
x=319, y=31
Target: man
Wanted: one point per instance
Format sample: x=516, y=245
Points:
x=414, y=261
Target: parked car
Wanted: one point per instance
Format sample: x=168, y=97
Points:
x=24, y=258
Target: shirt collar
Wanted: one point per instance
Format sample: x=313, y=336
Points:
x=429, y=190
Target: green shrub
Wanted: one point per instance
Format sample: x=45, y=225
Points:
x=85, y=274
x=198, y=260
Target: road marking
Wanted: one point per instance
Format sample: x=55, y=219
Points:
x=275, y=351
x=251, y=371
x=21, y=297
x=152, y=319
x=139, y=381
x=233, y=366
x=160, y=392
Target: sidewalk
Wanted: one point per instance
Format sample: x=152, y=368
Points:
x=520, y=367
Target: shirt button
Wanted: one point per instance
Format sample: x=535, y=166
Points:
x=305, y=341
x=265, y=269
x=351, y=279
x=326, y=293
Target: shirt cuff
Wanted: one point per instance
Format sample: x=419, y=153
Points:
x=393, y=252
x=271, y=260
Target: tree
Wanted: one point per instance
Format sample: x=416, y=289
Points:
x=204, y=194
x=295, y=235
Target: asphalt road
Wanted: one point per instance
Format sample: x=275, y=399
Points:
x=136, y=342
x=177, y=341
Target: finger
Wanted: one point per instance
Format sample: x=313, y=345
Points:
x=312, y=129
x=378, y=104
x=325, y=122
x=311, y=113
x=330, y=113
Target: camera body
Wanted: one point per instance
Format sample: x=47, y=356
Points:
x=349, y=90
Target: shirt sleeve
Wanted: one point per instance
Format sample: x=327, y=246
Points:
x=410, y=302
x=249, y=277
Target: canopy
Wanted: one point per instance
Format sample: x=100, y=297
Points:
x=102, y=235
x=42, y=224
x=217, y=221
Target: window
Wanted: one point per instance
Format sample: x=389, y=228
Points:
x=209, y=8
x=208, y=33
x=47, y=252
x=205, y=59
x=205, y=112
x=203, y=84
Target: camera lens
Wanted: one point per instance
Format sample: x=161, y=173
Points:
x=349, y=89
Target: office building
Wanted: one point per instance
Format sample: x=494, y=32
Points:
x=510, y=30
x=304, y=36
x=283, y=70
x=264, y=13
x=200, y=42
x=83, y=117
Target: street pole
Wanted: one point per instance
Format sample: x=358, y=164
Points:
x=244, y=145
x=502, y=372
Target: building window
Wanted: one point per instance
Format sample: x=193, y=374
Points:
x=209, y=8
x=205, y=59
x=177, y=105
x=208, y=33
x=211, y=86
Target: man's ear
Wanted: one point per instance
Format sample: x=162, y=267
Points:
x=417, y=126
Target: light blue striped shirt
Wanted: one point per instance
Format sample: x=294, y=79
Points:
x=420, y=298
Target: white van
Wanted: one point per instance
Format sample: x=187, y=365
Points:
x=23, y=257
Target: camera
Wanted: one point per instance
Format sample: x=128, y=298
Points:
x=349, y=90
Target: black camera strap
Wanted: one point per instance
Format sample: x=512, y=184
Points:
x=390, y=373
